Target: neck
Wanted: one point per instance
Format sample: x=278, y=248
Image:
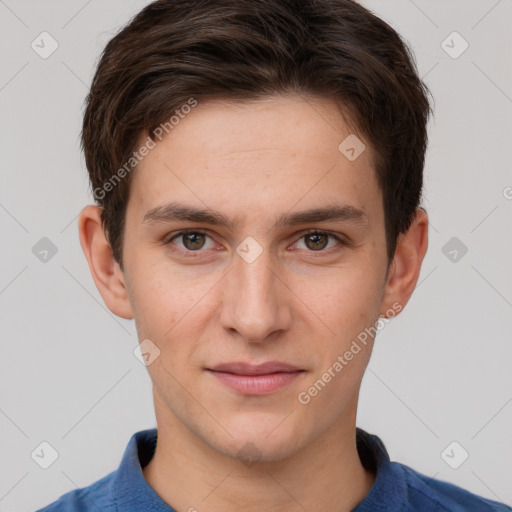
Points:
x=326, y=475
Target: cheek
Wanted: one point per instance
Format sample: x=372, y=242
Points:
x=333, y=389
x=162, y=299
x=346, y=301
x=175, y=317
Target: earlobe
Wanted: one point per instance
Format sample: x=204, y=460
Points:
x=406, y=265
x=105, y=271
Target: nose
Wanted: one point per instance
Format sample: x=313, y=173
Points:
x=256, y=303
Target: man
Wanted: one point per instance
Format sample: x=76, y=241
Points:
x=258, y=172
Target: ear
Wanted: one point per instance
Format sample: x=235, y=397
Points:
x=406, y=265
x=105, y=271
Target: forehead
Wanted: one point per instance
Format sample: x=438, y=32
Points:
x=243, y=155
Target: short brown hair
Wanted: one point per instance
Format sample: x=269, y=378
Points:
x=174, y=50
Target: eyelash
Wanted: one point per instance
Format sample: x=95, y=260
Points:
x=189, y=253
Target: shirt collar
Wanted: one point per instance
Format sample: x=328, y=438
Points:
x=389, y=488
x=132, y=493
x=130, y=490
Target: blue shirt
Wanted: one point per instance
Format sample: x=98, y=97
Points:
x=397, y=488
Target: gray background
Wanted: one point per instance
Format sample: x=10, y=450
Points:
x=440, y=371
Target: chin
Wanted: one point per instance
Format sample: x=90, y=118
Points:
x=260, y=444
x=253, y=450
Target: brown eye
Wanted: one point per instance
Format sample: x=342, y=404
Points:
x=193, y=241
x=316, y=241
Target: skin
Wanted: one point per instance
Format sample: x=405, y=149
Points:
x=255, y=161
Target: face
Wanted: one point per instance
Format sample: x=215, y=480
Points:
x=266, y=265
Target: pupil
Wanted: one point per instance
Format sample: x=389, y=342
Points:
x=194, y=241
x=317, y=241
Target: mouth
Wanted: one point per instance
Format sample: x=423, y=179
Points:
x=261, y=379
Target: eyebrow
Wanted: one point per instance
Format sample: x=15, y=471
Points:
x=175, y=211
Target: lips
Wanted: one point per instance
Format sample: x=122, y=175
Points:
x=259, y=369
x=248, y=379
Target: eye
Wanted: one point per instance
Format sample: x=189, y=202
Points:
x=192, y=240
x=318, y=241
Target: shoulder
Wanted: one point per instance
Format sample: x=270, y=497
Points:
x=123, y=489
x=400, y=488
x=441, y=496
x=94, y=497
